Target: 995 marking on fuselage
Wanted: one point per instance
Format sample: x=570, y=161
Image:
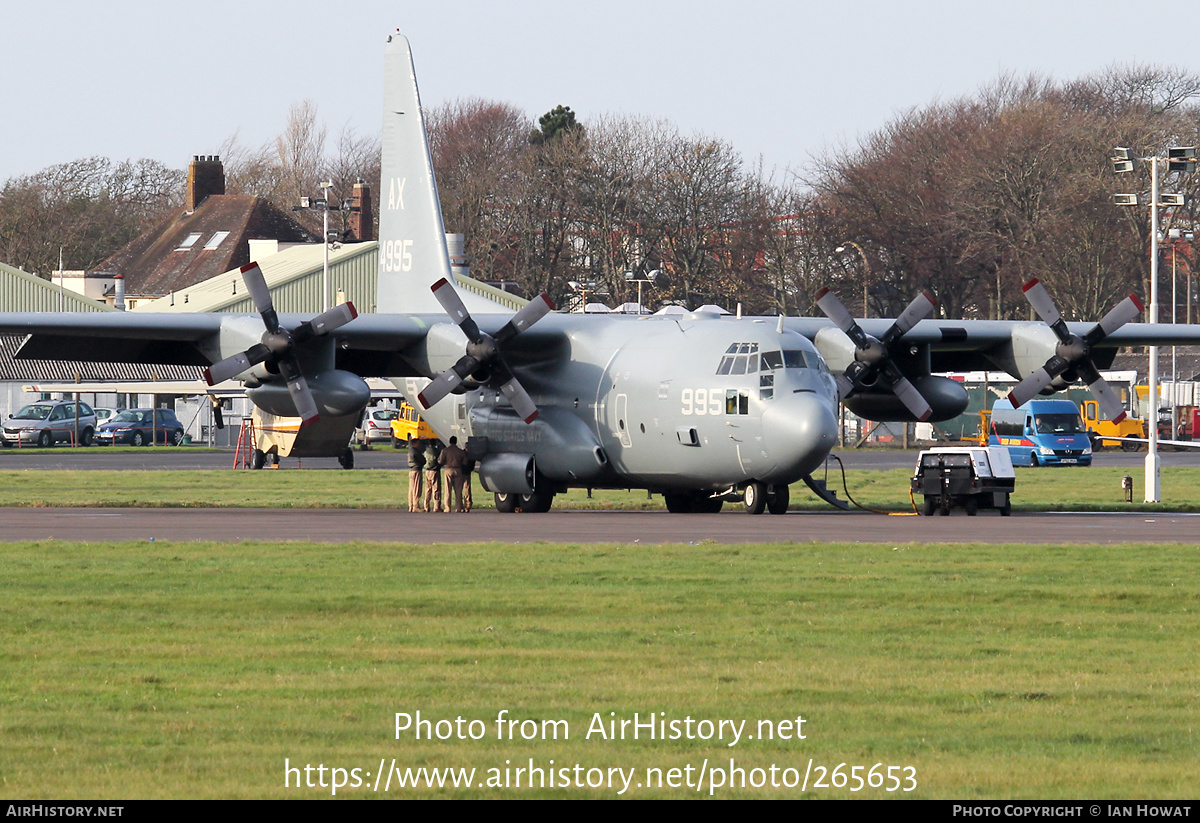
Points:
x=702, y=401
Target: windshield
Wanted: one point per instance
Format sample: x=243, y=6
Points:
x=38, y=411
x=131, y=417
x=1057, y=424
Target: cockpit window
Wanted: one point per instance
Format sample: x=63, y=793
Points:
x=739, y=358
x=790, y=359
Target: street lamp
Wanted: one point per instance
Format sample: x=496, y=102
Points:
x=866, y=269
x=650, y=277
x=1125, y=160
x=323, y=205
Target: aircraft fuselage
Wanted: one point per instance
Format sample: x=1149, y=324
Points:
x=692, y=402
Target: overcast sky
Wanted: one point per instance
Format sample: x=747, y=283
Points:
x=783, y=80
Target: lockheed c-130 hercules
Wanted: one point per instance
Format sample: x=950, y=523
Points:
x=700, y=407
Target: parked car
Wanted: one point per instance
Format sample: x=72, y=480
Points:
x=137, y=427
x=376, y=426
x=50, y=422
x=104, y=415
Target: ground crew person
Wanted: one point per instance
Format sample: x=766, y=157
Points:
x=416, y=465
x=454, y=459
x=433, y=477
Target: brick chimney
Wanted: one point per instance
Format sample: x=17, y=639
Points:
x=362, y=225
x=205, y=176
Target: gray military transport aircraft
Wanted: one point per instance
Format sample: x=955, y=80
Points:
x=702, y=408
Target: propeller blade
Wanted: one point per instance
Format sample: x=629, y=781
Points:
x=447, y=381
x=302, y=396
x=453, y=305
x=260, y=294
x=335, y=318
x=218, y=417
x=1122, y=313
x=1039, y=298
x=1040, y=379
x=522, y=403
x=231, y=367
x=912, y=399
x=1110, y=404
x=529, y=314
x=920, y=308
x=832, y=308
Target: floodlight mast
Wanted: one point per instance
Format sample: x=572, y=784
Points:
x=1183, y=159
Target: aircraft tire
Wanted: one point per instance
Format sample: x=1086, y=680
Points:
x=755, y=497
x=702, y=503
x=258, y=459
x=777, y=500
x=346, y=458
x=505, y=503
x=680, y=502
x=537, y=503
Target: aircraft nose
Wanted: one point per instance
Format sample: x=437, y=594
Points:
x=799, y=431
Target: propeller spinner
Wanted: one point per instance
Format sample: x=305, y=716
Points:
x=483, y=358
x=872, y=358
x=278, y=345
x=1074, y=353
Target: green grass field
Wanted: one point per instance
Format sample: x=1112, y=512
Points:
x=195, y=670
x=1090, y=489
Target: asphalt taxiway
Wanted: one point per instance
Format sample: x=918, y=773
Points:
x=621, y=527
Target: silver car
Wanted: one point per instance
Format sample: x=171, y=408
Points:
x=50, y=422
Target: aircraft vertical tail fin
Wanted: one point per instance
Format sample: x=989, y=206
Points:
x=412, y=240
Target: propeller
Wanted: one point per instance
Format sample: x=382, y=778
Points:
x=278, y=345
x=872, y=358
x=483, y=359
x=1073, y=354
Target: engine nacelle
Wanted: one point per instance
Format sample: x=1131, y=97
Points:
x=508, y=473
x=566, y=449
x=947, y=398
x=337, y=394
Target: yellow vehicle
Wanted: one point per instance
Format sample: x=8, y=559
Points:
x=1098, y=428
x=408, y=422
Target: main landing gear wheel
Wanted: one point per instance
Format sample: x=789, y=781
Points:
x=777, y=500
x=346, y=458
x=506, y=503
x=537, y=503
x=755, y=497
x=258, y=458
